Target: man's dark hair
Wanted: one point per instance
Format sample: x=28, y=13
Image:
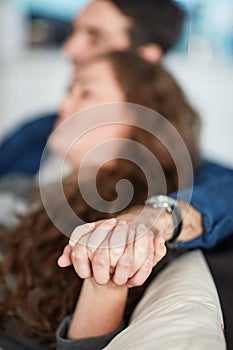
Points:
x=154, y=21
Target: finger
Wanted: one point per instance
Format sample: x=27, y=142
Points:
x=99, y=235
x=125, y=264
x=141, y=275
x=101, y=264
x=65, y=259
x=160, y=249
x=117, y=242
x=80, y=231
x=141, y=246
x=80, y=258
x=145, y=270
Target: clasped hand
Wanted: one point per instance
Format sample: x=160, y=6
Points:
x=114, y=250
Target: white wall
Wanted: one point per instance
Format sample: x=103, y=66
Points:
x=33, y=83
x=209, y=86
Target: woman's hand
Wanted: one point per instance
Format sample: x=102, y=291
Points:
x=114, y=250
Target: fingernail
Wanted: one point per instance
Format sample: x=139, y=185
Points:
x=59, y=259
x=72, y=243
x=90, y=224
x=109, y=222
x=122, y=222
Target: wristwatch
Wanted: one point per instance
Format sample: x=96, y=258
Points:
x=172, y=207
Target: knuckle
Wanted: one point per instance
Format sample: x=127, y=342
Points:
x=126, y=261
x=83, y=275
x=99, y=260
x=125, y=264
x=147, y=268
x=141, y=249
x=157, y=258
x=135, y=283
x=119, y=281
x=115, y=253
x=162, y=251
x=78, y=255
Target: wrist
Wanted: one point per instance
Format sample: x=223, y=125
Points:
x=99, y=310
x=192, y=222
x=110, y=287
x=158, y=220
x=167, y=216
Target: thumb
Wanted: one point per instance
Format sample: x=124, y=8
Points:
x=65, y=259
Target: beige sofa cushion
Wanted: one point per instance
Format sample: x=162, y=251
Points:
x=180, y=310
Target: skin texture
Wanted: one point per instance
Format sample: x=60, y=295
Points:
x=100, y=28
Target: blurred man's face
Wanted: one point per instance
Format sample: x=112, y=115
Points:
x=100, y=28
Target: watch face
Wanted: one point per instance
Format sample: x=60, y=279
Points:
x=161, y=201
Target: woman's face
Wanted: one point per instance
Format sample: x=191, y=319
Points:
x=94, y=85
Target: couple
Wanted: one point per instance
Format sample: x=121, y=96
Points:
x=107, y=256
x=209, y=218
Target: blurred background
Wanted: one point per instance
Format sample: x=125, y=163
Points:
x=34, y=73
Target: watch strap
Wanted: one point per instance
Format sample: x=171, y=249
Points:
x=177, y=221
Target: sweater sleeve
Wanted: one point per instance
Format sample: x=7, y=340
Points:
x=93, y=343
x=211, y=195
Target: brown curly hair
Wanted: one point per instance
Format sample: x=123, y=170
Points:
x=35, y=292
